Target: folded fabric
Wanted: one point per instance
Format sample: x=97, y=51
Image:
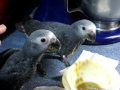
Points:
x=92, y=71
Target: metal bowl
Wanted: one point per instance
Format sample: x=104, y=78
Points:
x=106, y=10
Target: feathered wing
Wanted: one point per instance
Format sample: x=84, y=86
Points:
x=6, y=54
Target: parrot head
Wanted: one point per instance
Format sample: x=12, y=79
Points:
x=42, y=41
x=86, y=29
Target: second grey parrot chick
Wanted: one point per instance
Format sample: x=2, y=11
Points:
x=70, y=36
x=20, y=66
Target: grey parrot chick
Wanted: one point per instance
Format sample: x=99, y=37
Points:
x=21, y=65
x=70, y=36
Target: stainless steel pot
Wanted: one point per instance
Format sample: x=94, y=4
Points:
x=98, y=10
x=107, y=10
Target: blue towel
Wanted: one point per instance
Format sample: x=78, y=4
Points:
x=53, y=66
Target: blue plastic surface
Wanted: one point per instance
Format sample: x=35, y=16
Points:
x=53, y=10
x=108, y=37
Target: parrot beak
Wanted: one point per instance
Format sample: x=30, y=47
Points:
x=55, y=46
x=91, y=36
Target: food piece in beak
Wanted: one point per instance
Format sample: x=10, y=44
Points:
x=55, y=46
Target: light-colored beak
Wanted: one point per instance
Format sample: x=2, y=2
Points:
x=91, y=36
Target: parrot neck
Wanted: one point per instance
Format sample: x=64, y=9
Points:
x=30, y=52
x=29, y=62
x=30, y=55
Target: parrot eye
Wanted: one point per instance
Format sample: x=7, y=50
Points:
x=43, y=40
x=83, y=28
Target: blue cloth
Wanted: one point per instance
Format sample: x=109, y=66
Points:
x=15, y=40
x=52, y=67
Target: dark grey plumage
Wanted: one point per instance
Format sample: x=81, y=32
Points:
x=21, y=64
x=6, y=54
x=70, y=36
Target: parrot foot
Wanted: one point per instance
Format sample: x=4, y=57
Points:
x=65, y=61
x=40, y=70
x=67, y=64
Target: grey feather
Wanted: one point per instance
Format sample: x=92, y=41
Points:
x=70, y=36
x=21, y=65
